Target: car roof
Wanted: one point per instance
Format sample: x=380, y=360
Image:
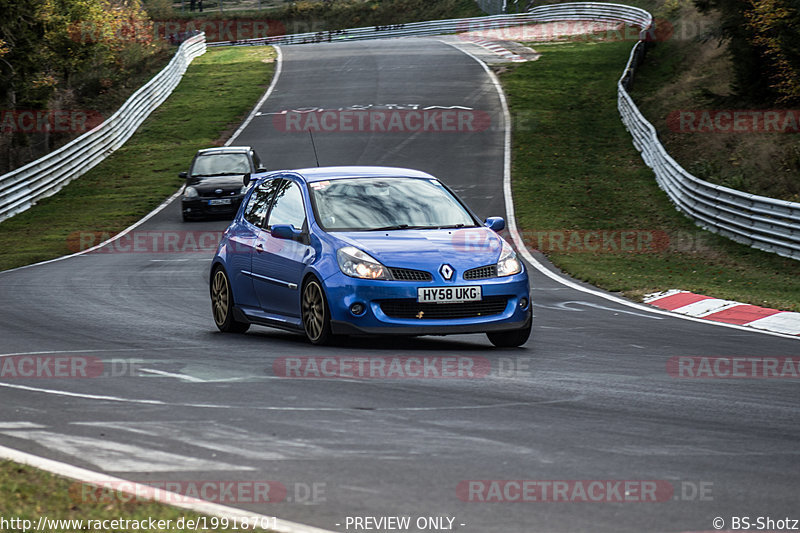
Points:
x=225, y=150
x=330, y=173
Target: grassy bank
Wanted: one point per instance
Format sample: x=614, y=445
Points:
x=576, y=174
x=28, y=494
x=692, y=71
x=217, y=91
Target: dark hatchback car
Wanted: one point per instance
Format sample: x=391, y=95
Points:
x=214, y=181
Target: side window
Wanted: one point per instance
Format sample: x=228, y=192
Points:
x=288, y=206
x=258, y=205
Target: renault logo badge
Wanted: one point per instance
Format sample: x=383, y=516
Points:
x=446, y=271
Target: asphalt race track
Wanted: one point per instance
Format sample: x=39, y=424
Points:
x=588, y=398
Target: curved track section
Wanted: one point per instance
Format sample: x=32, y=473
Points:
x=588, y=398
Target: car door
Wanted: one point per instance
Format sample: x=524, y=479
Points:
x=278, y=264
x=242, y=237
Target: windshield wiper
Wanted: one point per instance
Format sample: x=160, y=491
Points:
x=457, y=226
x=401, y=226
x=406, y=226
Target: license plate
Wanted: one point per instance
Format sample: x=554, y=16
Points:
x=445, y=295
x=220, y=201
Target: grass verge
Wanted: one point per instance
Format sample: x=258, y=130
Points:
x=27, y=494
x=576, y=175
x=216, y=92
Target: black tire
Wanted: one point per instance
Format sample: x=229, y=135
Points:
x=511, y=338
x=315, y=312
x=222, y=304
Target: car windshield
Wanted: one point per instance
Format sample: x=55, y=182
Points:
x=220, y=164
x=370, y=204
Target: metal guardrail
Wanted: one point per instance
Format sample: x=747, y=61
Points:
x=761, y=222
x=21, y=188
x=549, y=13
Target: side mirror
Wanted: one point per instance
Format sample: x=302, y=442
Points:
x=183, y=175
x=246, y=179
x=286, y=231
x=261, y=169
x=495, y=223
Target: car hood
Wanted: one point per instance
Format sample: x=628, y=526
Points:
x=210, y=184
x=428, y=249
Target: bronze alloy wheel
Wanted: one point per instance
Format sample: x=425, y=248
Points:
x=222, y=304
x=316, y=319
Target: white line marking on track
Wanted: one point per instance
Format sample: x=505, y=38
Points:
x=80, y=395
x=275, y=76
x=104, y=350
x=20, y=425
x=568, y=306
x=359, y=489
x=183, y=377
x=136, y=489
x=115, y=456
x=520, y=244
x=102, y=397
x=119, y=235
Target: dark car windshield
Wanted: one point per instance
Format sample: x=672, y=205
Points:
x=220, y=164
x=369, y=204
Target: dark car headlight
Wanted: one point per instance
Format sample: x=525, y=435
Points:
x=508, y=265
x=357, y=264
x=190, y=192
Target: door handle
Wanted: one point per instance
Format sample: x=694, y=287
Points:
x=259, y=247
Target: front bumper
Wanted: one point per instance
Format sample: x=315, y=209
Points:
x=343, y=292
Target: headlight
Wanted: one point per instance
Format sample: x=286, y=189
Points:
x=508, y=265
x=190, y=192
x=357, y=264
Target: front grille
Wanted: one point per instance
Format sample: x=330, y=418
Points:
x=484, y=272
x=409, y=308
x=407, y=274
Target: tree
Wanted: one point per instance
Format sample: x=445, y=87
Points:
x=750, y=79
x=64, y=52
x=775, y=25
x=763, y=38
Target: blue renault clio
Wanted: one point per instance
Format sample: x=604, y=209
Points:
x=366, y=251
